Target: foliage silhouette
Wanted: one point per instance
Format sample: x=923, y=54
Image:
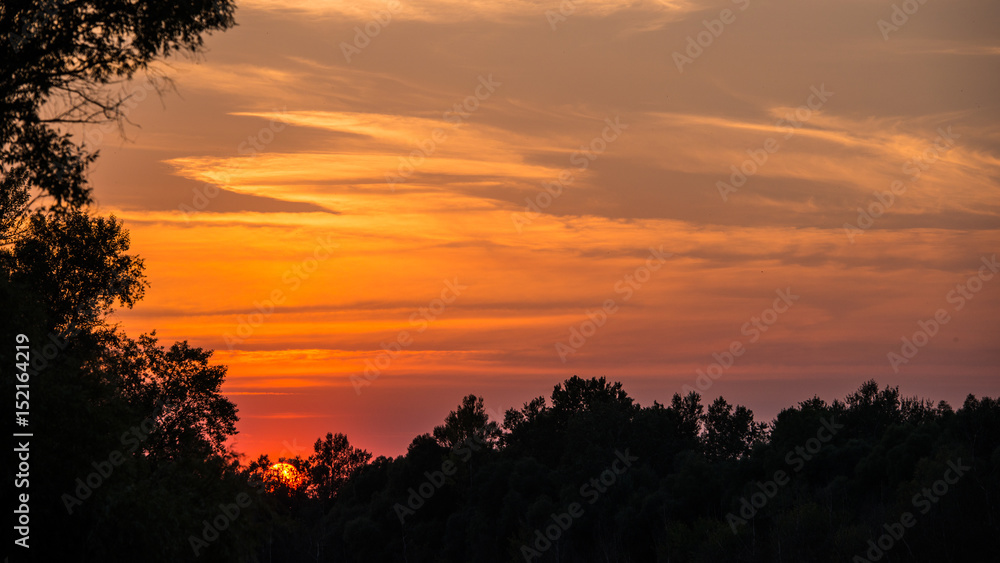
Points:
x=134, y=464
x=694, y=467
x=59, y=63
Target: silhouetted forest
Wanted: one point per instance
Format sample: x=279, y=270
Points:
x=127, y=458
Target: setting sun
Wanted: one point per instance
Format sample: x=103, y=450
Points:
x=283, y=473
x=501, y=280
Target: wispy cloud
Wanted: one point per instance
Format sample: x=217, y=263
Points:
x=458, y=10
x=347, y=126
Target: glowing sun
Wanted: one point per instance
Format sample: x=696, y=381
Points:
x=283, y=473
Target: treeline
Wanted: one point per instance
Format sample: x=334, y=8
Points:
x=123, y=455
x=589, y=475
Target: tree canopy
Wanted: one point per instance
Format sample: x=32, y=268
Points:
x=59, y=63
x=131, y=458
x=130, y=437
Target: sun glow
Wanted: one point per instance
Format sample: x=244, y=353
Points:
x=284, y=474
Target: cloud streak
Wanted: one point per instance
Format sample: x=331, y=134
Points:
x=345, y=126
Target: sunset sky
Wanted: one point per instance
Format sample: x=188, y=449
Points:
x=462, y=182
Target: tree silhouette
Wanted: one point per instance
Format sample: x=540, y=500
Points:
x=178, y=385
x=75, y=268
x=133, y=457
x=66, y=55
x=333, y=463
x=468, y=422
x=731, y=433
x=689, y=469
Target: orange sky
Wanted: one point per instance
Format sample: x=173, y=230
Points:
x=468, y=180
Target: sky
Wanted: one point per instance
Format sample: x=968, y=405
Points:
x=371, y=209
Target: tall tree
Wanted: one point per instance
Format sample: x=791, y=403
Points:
x=577, y=394
x=333, y=462
x=59, y=63
x=730, y=433
x=96, y=480
x=178, y=387
x=468, y=422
